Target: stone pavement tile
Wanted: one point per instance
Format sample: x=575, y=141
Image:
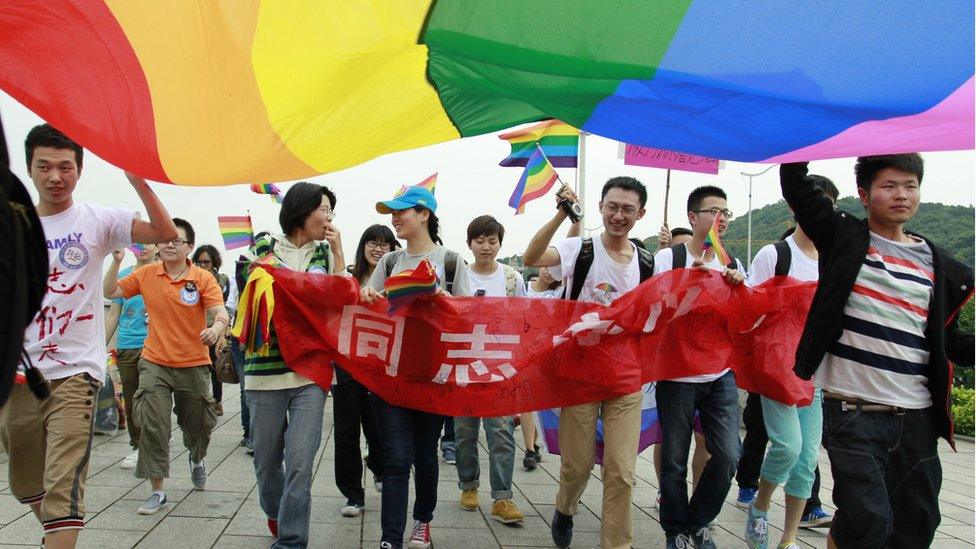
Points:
x=100, y=539
x=813, y=538
x=123, y=516
x=243, y=542
x=962, y=515
x=534, y=532
x=26, y=529
x=520, y=502
x=100, y=497
x=209, y=505
x=185, y=532
x=538, y=493
x=11, y=509
x=113, y=476
x=250, y=520
x=963, y=532
x=176, y=490
x=466, y=538
x=333, y=535
x=328, y=510
x=950, y=496
x=951, y=544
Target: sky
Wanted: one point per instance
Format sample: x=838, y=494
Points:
x=470, y=183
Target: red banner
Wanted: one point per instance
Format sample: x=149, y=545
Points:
x=485, y=356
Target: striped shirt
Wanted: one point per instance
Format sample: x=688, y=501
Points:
x=882, y=354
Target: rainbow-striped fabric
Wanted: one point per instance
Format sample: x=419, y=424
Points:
x=406, y=286
x=713, y=241
x=236, y=230
x=267, y=188
x=558, y=140
x=538, y=177
x=275, y=91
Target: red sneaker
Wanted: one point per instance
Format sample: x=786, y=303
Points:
x=273, y=527
x=420, y=537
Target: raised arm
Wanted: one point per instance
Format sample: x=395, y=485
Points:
x=160, y=227
x=814, y=212
x=538, y=253
x=110, y=284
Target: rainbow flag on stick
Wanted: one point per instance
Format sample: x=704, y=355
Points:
x=536, y=180
x=136, y=248
x=236, y=230
x=267, y=188
x=713, y=241
x=404, y=287
x=558, y=140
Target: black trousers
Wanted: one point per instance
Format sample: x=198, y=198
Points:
x=352, y=411
x=754, y=450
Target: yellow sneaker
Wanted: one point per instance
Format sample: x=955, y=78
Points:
x=505, y=511
x=469, y=500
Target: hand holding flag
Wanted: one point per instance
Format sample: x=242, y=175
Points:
x=406, y=286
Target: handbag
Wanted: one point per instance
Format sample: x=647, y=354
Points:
x=226, y=373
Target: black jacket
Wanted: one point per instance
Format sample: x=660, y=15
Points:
x=842, y=241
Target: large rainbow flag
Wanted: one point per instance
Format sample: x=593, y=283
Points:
x=538, y=177
x=273, y=91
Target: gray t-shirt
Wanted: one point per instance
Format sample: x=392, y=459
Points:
x=406, y=261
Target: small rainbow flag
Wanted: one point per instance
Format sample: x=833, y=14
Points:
x=236, y=230
x=558, y=140
x=137, y=248
x=536, y=180
x=713, y=241
x=430, y=184
x=267, y=188
x=404, y=287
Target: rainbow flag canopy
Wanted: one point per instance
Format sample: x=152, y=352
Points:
x=273, y=91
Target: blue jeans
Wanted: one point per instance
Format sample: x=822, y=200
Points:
x=717, y=403
x=409, y=438
x=500, y=434
x=887, y=476
x=286, y=429
x=794, y=436
x=238, y=355
x=448, y=440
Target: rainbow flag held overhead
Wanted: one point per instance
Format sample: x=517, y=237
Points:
x=406, y=286
x=430, y=183
x=136, y=248
x=558, y=140
x=536, y=180
x=269, y=189
x=236, y=230
x=320, y=86
x=713, y=241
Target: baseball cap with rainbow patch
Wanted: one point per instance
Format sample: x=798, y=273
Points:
x=421, y=194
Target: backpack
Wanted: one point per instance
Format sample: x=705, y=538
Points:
x=679, y=258
x=645, y=262
x=511, y=280
x=450, y=266
x=784, y=256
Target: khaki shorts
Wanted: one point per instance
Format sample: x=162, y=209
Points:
x=49, y=444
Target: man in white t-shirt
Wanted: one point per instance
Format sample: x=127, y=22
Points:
x=615, y=268
x=49, y=441
x=488, y=277
x=714, y=396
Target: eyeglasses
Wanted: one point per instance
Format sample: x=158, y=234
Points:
x=329, y=214
x=725, y=212
x=612, y=209
x=204, y=262
x=177, y=242
x=384, y=246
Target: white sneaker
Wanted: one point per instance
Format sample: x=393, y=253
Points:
x=130, y=461
x=352, y=510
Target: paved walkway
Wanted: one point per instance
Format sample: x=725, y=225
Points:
x=227, y=515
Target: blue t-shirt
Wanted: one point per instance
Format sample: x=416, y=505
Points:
x=133, y=320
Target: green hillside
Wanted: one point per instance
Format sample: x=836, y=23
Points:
x=948, y=226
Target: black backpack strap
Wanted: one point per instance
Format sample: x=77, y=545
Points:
x=582, y=267
x=679, y=256
x=784, y=256
x=733, y=263
x=450, y=269
x=645, y=262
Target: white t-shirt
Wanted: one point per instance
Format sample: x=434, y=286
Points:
x=68, y=336
x=663, y=261
x=764, y=264
x=494, y=284
x=606, y=281
x=544, y=294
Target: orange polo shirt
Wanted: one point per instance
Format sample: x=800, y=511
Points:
x=176, y=310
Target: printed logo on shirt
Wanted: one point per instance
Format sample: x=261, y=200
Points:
x=317, y=269
x=189, y=294
x=73, y=255
x=604, y=293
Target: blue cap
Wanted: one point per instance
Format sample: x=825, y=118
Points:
x=412, y=196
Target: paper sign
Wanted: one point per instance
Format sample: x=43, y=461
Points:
x=635, y=155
